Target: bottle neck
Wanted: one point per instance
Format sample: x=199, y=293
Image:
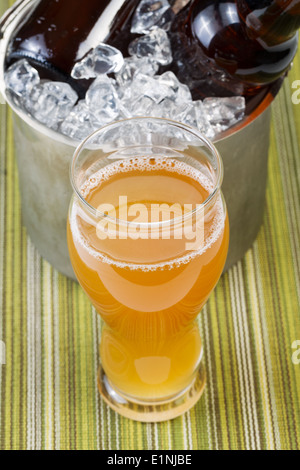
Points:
x=272, y=21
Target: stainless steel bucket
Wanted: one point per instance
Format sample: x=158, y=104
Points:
x=44, y=156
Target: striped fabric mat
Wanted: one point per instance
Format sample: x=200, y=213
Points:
x=48, y=391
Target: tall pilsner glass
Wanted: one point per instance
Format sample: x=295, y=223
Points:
x=148, y=238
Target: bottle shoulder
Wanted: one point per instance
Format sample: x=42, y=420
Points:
x=223, y=36
x=58, y=33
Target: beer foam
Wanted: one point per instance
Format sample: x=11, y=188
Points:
x=144, y=164
x=215, y=230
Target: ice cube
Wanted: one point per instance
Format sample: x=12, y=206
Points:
x=191, y=113
x=143, y=106
x=103, y=59
x=148, y=14
x=77, y=124
x=51, y=102
x=132, y=65
x=165, y=109
x=181, y=92
x=224, y=113
x=155, y=45
x=142, y=85
x=21, y=77
x=124, y=112
x=186, y=114
x=165, y=22
x=102, y=100
x=203, y=124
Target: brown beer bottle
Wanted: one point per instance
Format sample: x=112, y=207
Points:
x=58, y=33
x=234, y=47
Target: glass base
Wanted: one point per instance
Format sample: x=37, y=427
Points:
x=152, y=411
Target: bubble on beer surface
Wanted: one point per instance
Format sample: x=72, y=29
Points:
x=102, y=100
x=148, y=14
x=224, y=113
x=21, y=77
x=78, y=124
x=148, y=164
x=155, y=45
x=51, y=102
x=103, y=59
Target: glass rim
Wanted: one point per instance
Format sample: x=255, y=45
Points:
x=98, y=214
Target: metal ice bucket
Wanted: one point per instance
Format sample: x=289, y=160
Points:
x=43, y=158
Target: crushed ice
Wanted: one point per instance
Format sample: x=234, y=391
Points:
x=122, y=87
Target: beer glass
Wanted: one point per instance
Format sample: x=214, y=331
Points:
x=148, y=238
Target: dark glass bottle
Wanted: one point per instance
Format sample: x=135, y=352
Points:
x=225, y=47
x=220, y=47
x=58, y=33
